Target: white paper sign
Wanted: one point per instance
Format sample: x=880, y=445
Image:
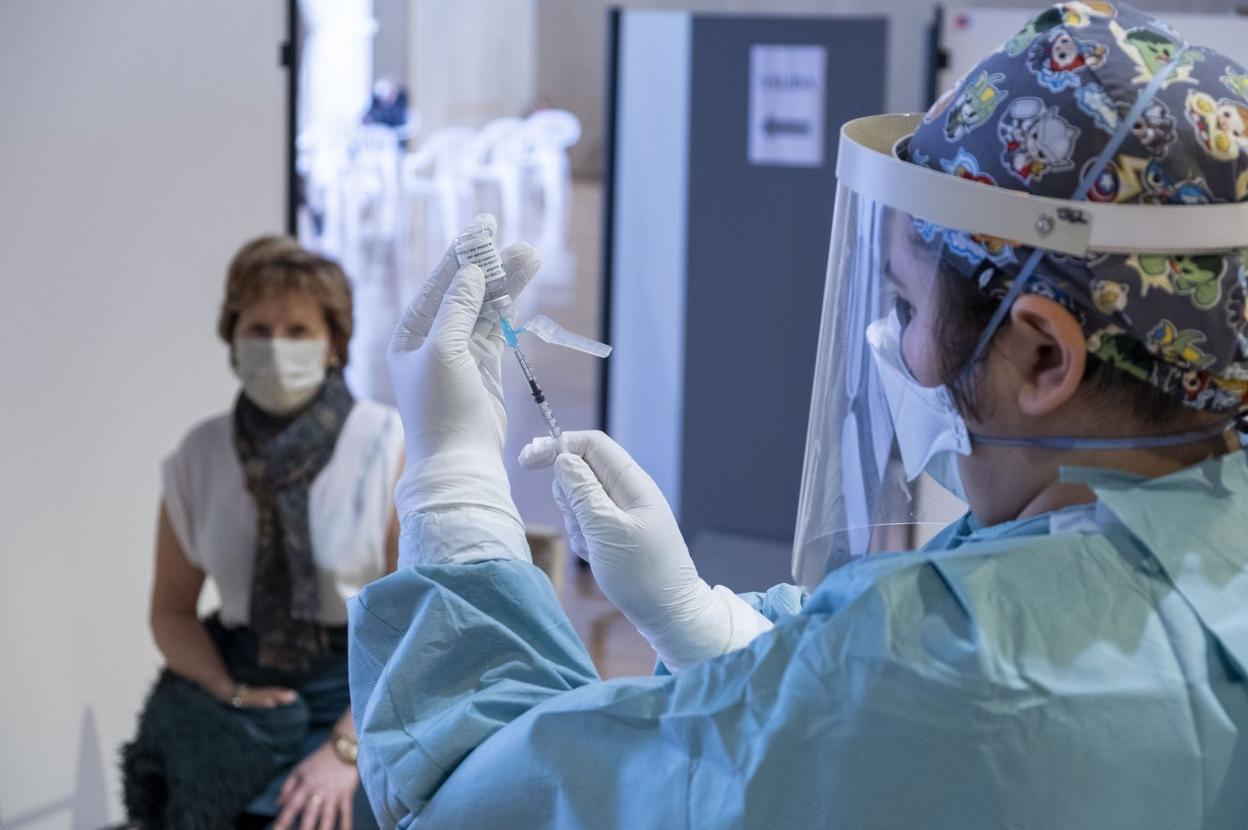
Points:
x=787, y=105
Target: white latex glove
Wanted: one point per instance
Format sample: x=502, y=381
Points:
x=619, y=521
x=448, y=386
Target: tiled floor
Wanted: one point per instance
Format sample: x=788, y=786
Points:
x=567, y=290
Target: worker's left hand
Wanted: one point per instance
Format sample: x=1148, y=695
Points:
x=619, y=521
x=445, y=365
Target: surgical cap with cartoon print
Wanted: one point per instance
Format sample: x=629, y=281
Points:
x=1034, y=116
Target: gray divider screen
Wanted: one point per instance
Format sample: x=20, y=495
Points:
x=756, y=258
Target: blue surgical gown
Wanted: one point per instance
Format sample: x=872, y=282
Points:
x=1043, y=674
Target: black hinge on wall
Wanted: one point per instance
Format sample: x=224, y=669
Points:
x=288, y=58
x=607, y=252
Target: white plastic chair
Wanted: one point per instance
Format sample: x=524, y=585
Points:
x=436, y=199
x=372, y=184
x=499, y=166
x=549, y=134
x=321, y=161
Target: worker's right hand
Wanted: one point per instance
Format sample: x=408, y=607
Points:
x=619, y=521
x=446, y=370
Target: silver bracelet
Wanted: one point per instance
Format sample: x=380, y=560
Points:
x=237, y=700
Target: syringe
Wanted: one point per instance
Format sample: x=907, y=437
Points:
x=548, y=417
x=476, y=246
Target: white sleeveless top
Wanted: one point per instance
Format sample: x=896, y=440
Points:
x=350, y=505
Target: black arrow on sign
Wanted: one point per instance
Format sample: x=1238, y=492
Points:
x=776, y=126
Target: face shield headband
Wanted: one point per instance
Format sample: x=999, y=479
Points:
x=872, y=477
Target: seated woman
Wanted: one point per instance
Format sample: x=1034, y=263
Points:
x=286, y=503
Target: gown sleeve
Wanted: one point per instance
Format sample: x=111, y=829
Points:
x=779, y=601
x=878, y=706
x=478, y=706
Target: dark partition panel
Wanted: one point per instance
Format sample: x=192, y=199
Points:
x=757, y=225
x=758, y=247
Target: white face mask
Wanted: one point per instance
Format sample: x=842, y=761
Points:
x=931, y=433
x=279, y=374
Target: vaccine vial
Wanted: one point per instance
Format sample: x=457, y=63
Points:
x=477, y=246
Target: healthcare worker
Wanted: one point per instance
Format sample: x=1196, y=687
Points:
x=1035, y=297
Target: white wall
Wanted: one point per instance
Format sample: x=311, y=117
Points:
x=651, y=203
x=140, y=144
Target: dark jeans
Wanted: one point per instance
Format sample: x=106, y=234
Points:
x=194, y=756
x=323, y=689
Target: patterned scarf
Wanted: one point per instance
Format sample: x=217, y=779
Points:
x=280, y=459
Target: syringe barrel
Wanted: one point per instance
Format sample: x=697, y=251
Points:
x=539, y=398
x=552, y=427
x=477, y=246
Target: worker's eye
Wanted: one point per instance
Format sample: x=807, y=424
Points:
x=905, y=311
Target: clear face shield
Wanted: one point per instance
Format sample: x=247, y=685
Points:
x=884, y=437
x=882, y=447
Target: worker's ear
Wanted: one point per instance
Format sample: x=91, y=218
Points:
x=1046, y=345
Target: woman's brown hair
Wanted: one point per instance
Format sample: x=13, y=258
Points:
x=271, y=265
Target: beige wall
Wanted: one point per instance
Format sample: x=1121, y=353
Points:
x=471, y=61
x=571, y=37
x=140, y=143
x=390, y=46
x=572, y=52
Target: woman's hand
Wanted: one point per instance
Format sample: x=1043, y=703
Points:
x=321, y=789
x=262, y=697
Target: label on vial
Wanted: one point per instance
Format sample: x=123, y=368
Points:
x=482, y=253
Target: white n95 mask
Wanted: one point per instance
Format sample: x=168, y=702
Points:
x=280, y=374
x=930, y=431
